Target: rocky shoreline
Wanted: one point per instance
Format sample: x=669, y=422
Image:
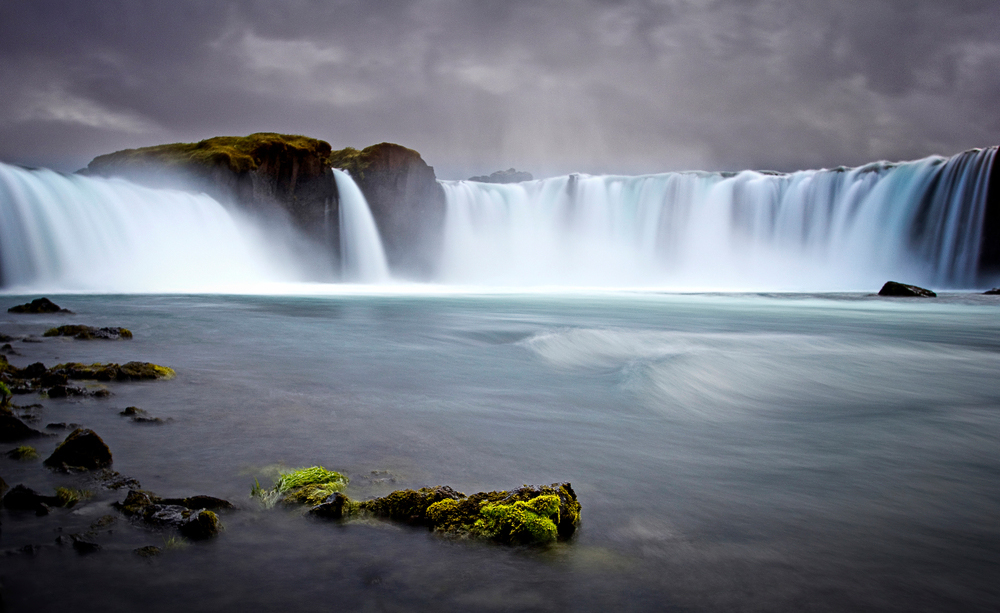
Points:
x=527, y=515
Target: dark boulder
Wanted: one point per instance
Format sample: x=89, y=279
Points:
x=31, y=371
x=22, y=498
x=82, y=449
x=38, y=305
x=992, y=292
x=891, y=288
x=13, y=429
x=192, y=515
x=504, y=176
x=84, y=545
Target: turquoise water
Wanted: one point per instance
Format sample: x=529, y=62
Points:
x=731, y=452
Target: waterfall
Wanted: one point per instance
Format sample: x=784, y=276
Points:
x=840, y=229
x=68, y=232
x=361, y=254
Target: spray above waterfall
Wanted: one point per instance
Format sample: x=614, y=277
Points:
x=841, y=229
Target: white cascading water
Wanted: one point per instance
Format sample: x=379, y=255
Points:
x=842, y=229
x=68, y=232
x=361, y=254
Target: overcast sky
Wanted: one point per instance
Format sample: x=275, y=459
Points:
x=547, y=87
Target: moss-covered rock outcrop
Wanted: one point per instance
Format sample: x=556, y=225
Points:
x=193, y=516
x=528, y=515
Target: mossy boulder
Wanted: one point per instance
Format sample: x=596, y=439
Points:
x=24, y=453
x=90, y=333
x=901, y=290
x=38, y=306
x=83, y=450
x=202, y=525
x=526, y=515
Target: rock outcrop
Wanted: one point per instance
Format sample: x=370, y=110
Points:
x=263, y=172
x=405, y=199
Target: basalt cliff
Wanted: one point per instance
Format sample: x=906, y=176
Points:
x=270, y=173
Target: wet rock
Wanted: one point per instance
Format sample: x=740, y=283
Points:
x=140, y=416
x=892, y=288
x=83, y=545
x=51, y=379
x=113, y=480
x=66, y=391
x=337, y=506
x=3, y=488
x=38, y=305
x=61, y=426
x=103, y=522
x=7, y=349
x=21, y=498
x=13, y=429
x=31, y=371
x=82, y=449
x=88, y=333
x=202, y=526
x=199, y=502
x=992, y=292
x=149, y=551
x=190, y=515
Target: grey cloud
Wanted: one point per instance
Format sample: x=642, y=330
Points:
x=551, y=87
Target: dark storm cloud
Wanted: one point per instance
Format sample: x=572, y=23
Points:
x=477, y=86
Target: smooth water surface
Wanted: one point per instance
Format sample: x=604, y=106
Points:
x=731, y=452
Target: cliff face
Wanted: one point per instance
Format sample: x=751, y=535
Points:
x=406, y=200
x=293, y=173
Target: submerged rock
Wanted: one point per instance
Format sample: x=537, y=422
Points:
x=140, y=416
x=23, y=453
x=21, y=498
x=38, y=305
x=13, y=429
x=82, y=449
x=149, y=551
x=89, y=332
x=892, y=288
x=192, y=516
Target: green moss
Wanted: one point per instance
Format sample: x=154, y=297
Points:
x=309, y=476
x=351, y=160
x=238, y=154
x=520, y=522
x=310, y=486
x=68, y=497
x=24, y=452
x=312, y=494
